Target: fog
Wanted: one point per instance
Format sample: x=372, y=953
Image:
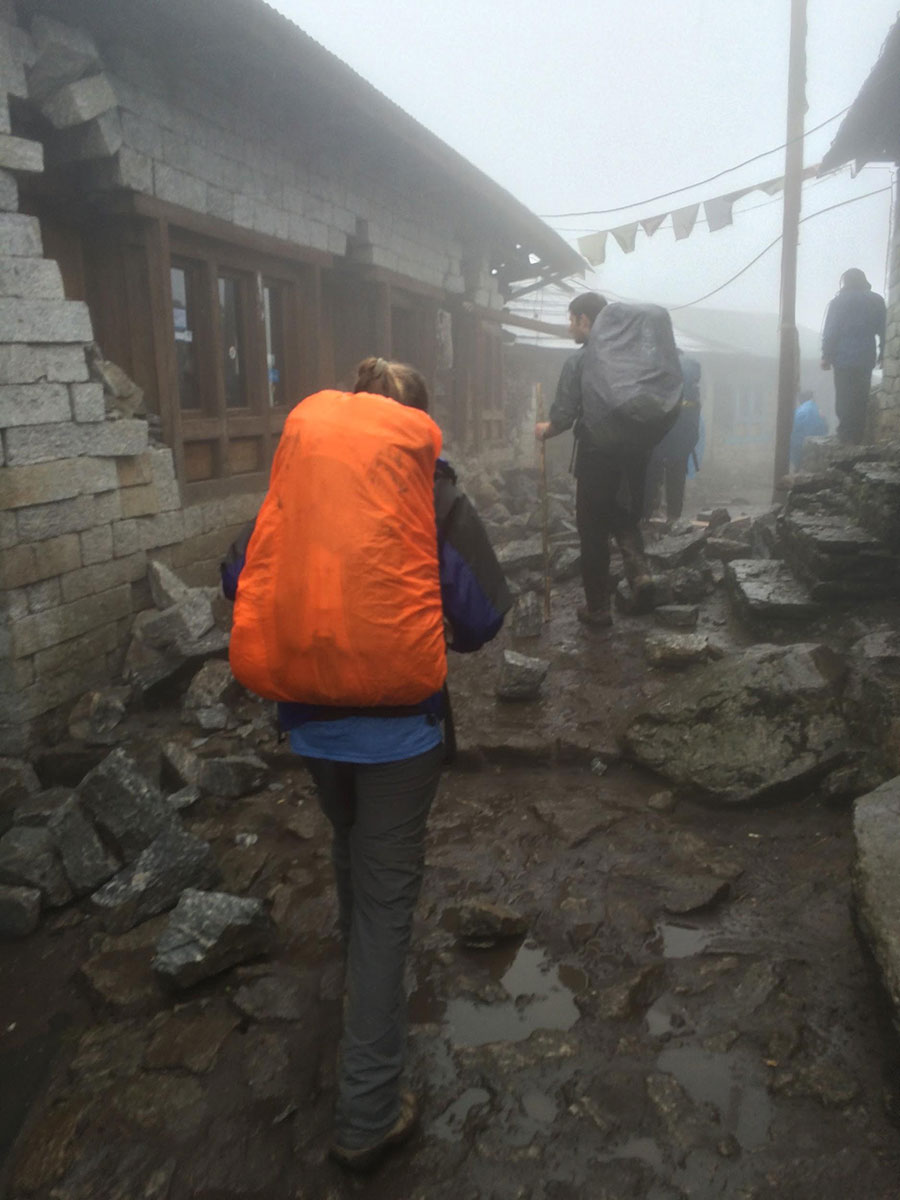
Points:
x=600, y=106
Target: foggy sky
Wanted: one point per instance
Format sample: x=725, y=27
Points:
x=588, y=106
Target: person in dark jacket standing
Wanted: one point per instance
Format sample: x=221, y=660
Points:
x=854, y=322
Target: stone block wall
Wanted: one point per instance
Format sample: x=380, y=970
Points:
x=86, y=497
x=885, y=405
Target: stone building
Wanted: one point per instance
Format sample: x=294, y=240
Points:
x=235, y=218
x=870, y=133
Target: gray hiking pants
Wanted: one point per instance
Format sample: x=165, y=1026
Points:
x=378, y=813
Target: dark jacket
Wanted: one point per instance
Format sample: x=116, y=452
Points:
x=474, y=591
x=854, y=320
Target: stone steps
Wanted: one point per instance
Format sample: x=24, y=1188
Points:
x=764, y=591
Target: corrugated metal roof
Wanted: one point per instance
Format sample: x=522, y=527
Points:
x=870, y=132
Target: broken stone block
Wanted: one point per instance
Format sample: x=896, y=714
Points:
x=521, y=676
x=181, y=765
x=565, y=563
x=521, y=555
x=86, y=862
x=528, y=616
x=725, y=549
x=166, y=588
x=676, y=550
x=206, y=700
x=127, y=809
x=676, y=649
x=482, y=924
x=766, y=590
x=187, y=620
x=20, y=911
x=37, y=810
x=172, y=862
x=677, y=616
x=186, y=797
x=28, y=858
x=97, y=715
x=233, y=776
x=18, y=780
x=63, y=53
x=209, y=932
x=876, y=881
x=81, y=101
x=763, y=725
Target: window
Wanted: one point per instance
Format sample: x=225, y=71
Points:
x=232, y=308
x=186, y=286
x=242, y=345
x=274, y=312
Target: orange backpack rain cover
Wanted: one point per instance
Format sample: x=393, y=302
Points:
x=339, y=600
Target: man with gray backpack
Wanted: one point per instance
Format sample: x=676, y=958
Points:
x=622, y=391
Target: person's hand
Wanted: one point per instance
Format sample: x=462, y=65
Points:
x=826, y=365
x=542, y=431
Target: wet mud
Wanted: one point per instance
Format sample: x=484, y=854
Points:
x=689, y=1014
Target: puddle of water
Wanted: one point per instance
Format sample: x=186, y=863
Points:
x=716, y=1079
x=682, y=941
x=644, y=1149
x=540, y=1107
x=541, y=996
x=449, y=1125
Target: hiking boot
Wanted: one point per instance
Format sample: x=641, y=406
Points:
x=597, y=618
x=368, y=1157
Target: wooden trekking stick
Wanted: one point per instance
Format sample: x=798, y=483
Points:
x=545, y=503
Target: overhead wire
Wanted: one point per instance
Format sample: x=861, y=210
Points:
x=601, y=212
x=753, y=261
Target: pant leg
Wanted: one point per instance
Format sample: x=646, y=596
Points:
x=627, y=512
x=387, y=856
x=595, y=494
x=655, y=471
x=851, y=399
x=336, y=787
x=676, y=474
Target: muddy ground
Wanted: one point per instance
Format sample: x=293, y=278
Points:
x=689, y=1015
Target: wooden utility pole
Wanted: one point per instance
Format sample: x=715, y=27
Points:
x=789, y=349
x=545, y=501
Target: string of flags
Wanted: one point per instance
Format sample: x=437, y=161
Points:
x=718, y=213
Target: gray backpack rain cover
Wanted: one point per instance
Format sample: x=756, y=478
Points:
x=631, y=368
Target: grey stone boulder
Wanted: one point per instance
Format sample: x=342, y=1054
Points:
x=676, y=550
x=189, y=619
x=233, y=775
x=521, y=676
x=209, y=932
x=166, y=588
x=677, y=616
x=876, y=881
x=37, y=810
x=206, y=700
x=181, y=765
x=174, y=861
x=125, y=806
x=521, y=555
x=763, y=725
x=86, y=861
x=29, y=858
x=565, y=563
x=528, y=616
x=674, y=650
x=18, y=780
x=96, y=717
x=20, y=911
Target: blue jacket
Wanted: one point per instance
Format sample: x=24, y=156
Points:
x=808, y=422
x=854, y=320
x=474, y=591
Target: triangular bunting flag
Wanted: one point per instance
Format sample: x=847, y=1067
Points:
x=593, y=247
x=684, y=219
x=651, y=224
x=625, y=236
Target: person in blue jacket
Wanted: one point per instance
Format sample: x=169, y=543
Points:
x=808, y=422
x=854, y=322
x=376, y=773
